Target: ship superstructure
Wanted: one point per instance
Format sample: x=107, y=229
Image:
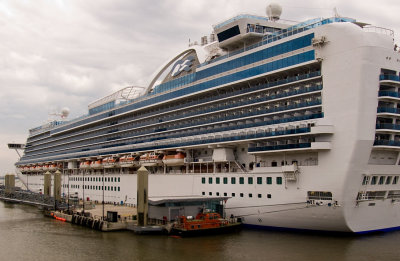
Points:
x=297, y=123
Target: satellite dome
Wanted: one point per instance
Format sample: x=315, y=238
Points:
x=64, y=112
x=274, y=11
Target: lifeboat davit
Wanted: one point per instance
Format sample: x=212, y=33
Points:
x=84, y=165
x=96, y=164
x=110, y=162
x=174, y=160
x=151, y=160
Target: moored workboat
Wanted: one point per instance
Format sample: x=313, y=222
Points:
x=204, y=224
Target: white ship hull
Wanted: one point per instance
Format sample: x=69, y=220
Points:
x=286, y=209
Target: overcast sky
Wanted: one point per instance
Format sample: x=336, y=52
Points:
x=68, y=53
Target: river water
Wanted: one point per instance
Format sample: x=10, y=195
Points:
x=25, y=234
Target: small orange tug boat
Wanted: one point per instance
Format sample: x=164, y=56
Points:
x=205, y=224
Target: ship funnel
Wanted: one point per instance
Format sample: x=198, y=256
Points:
x=274, y=11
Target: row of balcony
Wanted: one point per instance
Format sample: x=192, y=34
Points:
x=389, y=77
x=389, y=93
x=388, y=126
x=388, y=110
x=281, y=147
x=182, y=125
x=197, y=141
x=208, y=99
x=228, y=128
x=386, y=143
x=142, y=102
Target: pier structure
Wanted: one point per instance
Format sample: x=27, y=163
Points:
x=142, y=196
x=57, y=185
x=47, y=183
x=9, y=182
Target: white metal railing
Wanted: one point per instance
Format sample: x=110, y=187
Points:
x=377, y=29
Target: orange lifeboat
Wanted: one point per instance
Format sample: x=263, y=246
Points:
x=97, y=164
x=32, y=168
x=45, y=167
x=84, y=165
x=174, y=160
x=110, y=162
x=128, y=161
x=26, y=168
x=151, y=160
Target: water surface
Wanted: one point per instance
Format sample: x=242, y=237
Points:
x=25, y=234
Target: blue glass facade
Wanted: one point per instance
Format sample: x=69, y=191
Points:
x=102, y=107
x=264, y=54
x=275, y=65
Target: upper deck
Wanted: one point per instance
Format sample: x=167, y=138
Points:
x=207, y=69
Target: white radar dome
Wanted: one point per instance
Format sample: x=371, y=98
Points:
x=64, y=112
x=274, y=11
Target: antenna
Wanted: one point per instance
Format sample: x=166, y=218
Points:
x=335, y=12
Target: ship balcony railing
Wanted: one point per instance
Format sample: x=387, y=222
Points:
x=389, y=77
x=280, y=147
x=388, y=126
x=370, y=195
x=140, y=146
x=215, y=98
x=198, y=160
x=226, y=118
x=290, y=168
x=234, y=127
x=267, y=85
x=387, y=143
x=389, y=93
x=304, y=145
x=388, y=110
x=80, y=121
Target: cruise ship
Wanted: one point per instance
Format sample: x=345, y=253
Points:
x=297, y=123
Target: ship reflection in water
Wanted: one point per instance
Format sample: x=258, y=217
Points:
x=27, y=235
